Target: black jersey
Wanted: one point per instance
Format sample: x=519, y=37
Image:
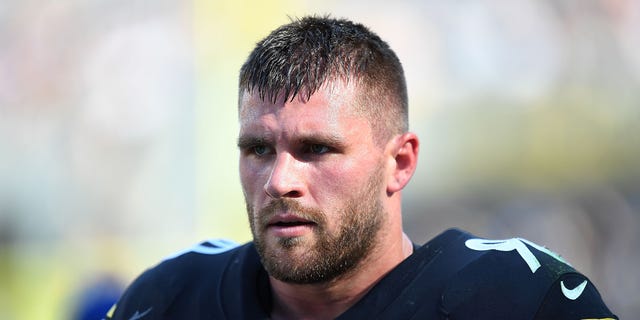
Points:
x=453, y=276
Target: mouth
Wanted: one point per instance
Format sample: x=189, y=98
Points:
x=289, y=225
x=289, y=220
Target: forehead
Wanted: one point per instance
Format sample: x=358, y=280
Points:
x=331, y=101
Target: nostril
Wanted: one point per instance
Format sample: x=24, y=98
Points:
x=293, y=194
x=276, y=195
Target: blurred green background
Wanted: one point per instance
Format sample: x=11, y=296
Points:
x=118, y=132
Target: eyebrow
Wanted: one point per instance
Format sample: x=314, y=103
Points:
x=249, y=141
x=333, y=140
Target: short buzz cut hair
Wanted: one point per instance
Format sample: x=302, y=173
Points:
x=298, y=58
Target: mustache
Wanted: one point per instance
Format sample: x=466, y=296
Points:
x=290, y=206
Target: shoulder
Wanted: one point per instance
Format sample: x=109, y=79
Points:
x=211, y=257
x=187, y=272
x=510, y=277
x=186, y=264
x=573, y=295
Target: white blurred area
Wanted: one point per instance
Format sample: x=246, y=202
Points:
x=118, y=128
x=97, y=145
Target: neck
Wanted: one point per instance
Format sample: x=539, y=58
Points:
x=329, y=300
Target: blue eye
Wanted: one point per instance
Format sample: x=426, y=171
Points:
x=318, y=148
x=260, y=150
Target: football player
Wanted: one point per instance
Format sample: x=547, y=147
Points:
x=325, y=152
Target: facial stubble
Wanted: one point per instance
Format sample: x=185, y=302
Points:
x=328, y=255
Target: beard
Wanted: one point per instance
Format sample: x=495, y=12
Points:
x=301, y=260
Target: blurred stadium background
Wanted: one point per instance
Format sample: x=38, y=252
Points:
x=118, y=128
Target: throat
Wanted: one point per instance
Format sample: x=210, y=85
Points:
x=317, y=301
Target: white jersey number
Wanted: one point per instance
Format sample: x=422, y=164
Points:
x=517, y=244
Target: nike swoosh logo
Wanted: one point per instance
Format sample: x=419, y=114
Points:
x=139, y=315
x=573, y=294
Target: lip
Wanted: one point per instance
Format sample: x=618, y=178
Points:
x=289, y=226
x=287, y=219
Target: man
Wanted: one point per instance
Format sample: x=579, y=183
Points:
x=324, y=155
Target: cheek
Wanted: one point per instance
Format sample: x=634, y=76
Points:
x=341, y=179
x=244, y=173
x=250, y=179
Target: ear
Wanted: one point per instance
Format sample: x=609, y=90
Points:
x=403, y=161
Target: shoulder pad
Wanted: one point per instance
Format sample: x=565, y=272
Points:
x=507, y=279
x=213, y=246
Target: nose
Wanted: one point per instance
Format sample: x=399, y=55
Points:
x=285, y=179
